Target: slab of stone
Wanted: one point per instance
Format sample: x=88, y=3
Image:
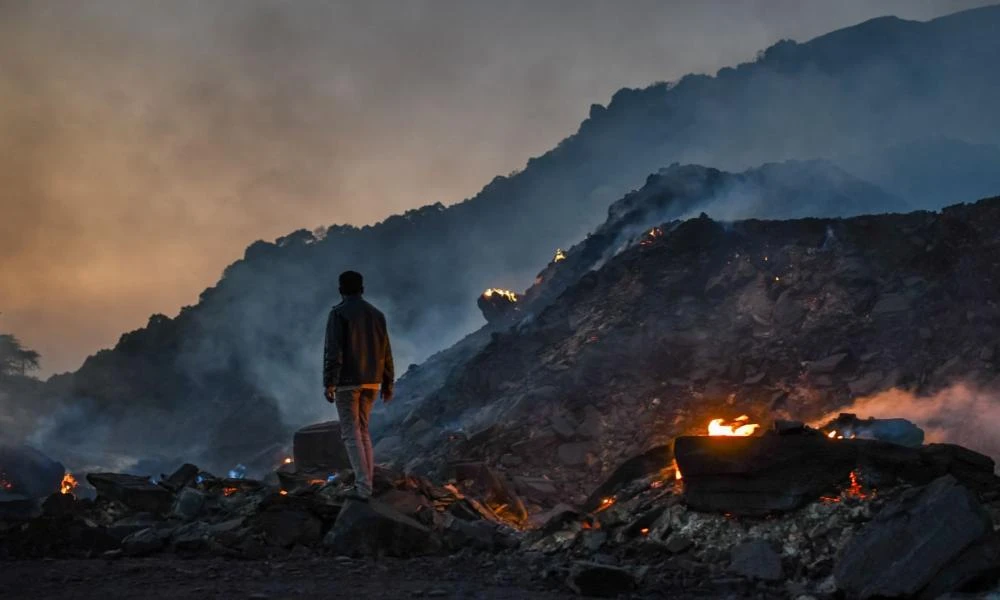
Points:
x=907, y=544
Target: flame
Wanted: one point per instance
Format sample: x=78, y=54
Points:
x=288, y=460
x=832, y=435
x=560, y=255
x=229, y=491
x=509, y=295
x=651, y=236
x=738, y=427
x=644, y=531
x=606, y=503
x=855, y=490
x=68, y=484
x=283, y=492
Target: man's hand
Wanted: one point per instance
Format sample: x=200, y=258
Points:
x=386, y=396
x=330, y=393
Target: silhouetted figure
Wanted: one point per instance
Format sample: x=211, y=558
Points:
x=357, y=362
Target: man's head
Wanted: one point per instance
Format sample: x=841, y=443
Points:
x=351, y=283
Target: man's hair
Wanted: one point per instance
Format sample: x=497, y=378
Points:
x=351, y=283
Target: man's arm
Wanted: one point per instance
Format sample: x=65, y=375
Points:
x=389, y=372
x=333, y=354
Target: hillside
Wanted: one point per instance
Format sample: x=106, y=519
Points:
x=773, y=319
x=230, y=375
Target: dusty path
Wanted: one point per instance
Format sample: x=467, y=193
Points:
x=306, y=577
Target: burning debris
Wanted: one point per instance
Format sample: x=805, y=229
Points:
x=651, y=236
x=897, y=431
x=498, y=304
x=739, y=427
x=69, y=484
x=560, y=256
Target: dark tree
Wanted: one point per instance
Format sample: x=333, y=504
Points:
x=14, y=358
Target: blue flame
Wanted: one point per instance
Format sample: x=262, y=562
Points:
x=238, y=472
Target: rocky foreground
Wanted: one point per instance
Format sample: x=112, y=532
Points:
x=856, y=518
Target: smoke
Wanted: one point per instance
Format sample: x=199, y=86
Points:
x=145, y=143
x=960, y=414
x=220, y=126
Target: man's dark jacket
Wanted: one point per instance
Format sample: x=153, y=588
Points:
x=357, y=347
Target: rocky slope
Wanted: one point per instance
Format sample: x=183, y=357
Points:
x=244, y=358
x=702, y=319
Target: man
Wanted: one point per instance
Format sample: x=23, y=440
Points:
x=357, y=362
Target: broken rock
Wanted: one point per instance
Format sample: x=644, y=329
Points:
x=907, y=544
x=320, y=446
x=756, y=559
x=372, y=528
x=134, y=491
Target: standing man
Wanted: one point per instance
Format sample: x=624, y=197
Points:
x=357, y=362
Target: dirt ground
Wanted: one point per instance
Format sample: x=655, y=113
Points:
x=306, y=577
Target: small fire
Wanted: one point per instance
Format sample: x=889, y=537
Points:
x=288, y=460
x=560, y=255
x=855, y=490
x=651, y=236
x=283, y=492
x=644, y=531
x=606, y=503
x=738, y=427
x=229, y=491
x=68, y=484
x=509, y=295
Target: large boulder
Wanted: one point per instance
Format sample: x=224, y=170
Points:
x=320, y=447
x=373, y=528
x=134, y=491
x=910, y=542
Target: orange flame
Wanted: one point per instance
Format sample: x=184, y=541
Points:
x=738, y=427
x=651, y=236
x=68, y=484
x=283, y=492
x=509, y=295
x=606, y=503
x=288, y=460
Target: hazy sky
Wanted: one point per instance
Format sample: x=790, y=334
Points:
x=144, y=144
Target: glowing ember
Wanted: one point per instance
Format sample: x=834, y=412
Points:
x=5, y=484
x=229, y=491
x=288, y=460
x=68, y=484
x=832, y=435
x=283, y=492
x=606, y=503
x=644, y=531
x=651, y=236
x=509, y=295
x=855, y=490
x=317, y=481
x=737, y=427
x=560, y=255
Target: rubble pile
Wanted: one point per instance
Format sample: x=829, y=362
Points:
x=773, y=319
x=192, y=512
x=873, y=536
